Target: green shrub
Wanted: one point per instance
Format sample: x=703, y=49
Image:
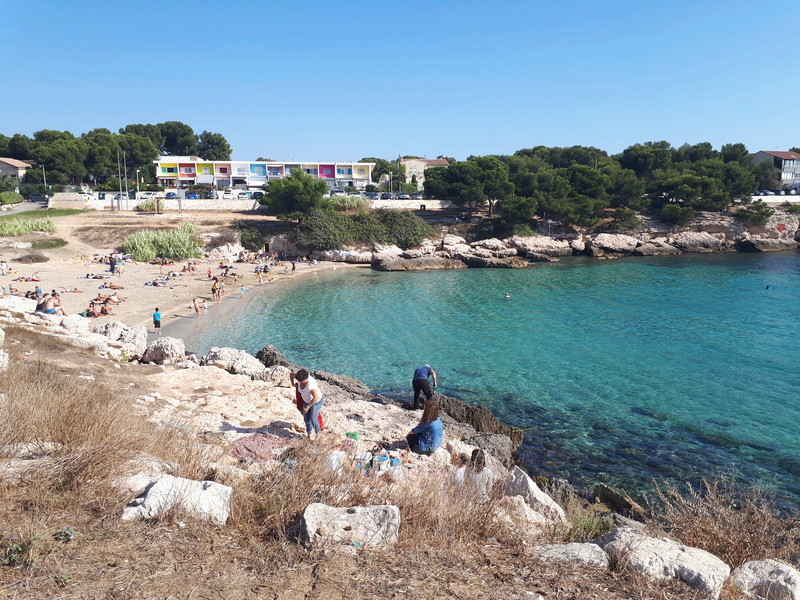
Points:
x=404, y=229
x=677, y=214
x=523, y=230
x=323, y=230
x=22, y=226
x=177, y=244
x=627, y=219
x=49, y=244
x=793, y=209
x=756, y=214
x=10, y=198
x=328, y=230
x=33, y=257
x=349, y=202
x=151, y=205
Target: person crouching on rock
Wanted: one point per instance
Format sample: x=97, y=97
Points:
x=312, y=400
x=426, y=437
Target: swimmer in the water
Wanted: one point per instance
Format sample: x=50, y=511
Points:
x=507, y=295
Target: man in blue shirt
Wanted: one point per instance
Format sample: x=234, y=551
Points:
x=421, y=385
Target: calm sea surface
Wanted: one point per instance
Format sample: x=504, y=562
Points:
x=621, y=371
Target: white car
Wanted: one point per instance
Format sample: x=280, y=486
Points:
x=227, y=195
x=146, y=196
x=242, y=196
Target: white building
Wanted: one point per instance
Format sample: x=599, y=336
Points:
x=12, y=166
x=415, y=168
x=786, y=163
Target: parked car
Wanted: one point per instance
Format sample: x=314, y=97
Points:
x=337, y=193
x=120, y=197
x=766, y=193
x=227, y=195
x=403, y=197
x=209, y=195
x=242, y=196
x=258, y=195
x=170, y=195
x=193, y=196
x=416, y=196
x=386, y=196
x=37, y=198
x=354, y=194
x=146, y=195
x=372, y=195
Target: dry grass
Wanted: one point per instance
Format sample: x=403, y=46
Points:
x=734, y=524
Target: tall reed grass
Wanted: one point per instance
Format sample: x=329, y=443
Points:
x=177, y=244
x=10, y=227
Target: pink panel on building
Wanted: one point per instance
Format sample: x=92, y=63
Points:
x=327, y=171
x=224, y=170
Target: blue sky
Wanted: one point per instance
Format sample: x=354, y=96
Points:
x=306, y=80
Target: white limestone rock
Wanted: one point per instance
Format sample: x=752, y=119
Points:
x=767, y=580
x=17, y=304
x=3, y=360
x=697, y=241
x=165, y=350
x=514, y=512
x=662, y=559
x=358, y=526
x=519, y=484
x=612, y=243
x=389, y=249
x=577, y=246
x=452, y=240
x=2, y=336
x=540, y=244
x=203, y=500
x=490, y=244
x=132, y=340
x=76, y=324
x=237, y=362
x=586, y=554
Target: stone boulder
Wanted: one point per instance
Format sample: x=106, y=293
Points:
x=618, y=502
x=697, y=241
x=451, y=239
x=578, y=246
x=390, y=250
x=657, y=247
x=453, y=249
x=226, y=253
x=270, y=356
x=518, y=514
x=204, y=500
x=759, y=244
x=237, y=362
x=359, y=256
x=359, y=526
x=414, y=253
x=423, y=263
x=76, y=324
x=17, y=304
x=479, y=417
x=490, y=244
x=540, y=244
x=586, y=554
x=661, y=559
x=612, y=243
x=133, y=340
x=767, y=580
x=534, y=256
x=2, y=336
x=340, y=387
x=520, y=484
x=481, y=262
x=165, y=350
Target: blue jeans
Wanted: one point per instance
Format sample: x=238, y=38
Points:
x=311, y=417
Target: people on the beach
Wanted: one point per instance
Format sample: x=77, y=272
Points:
x=157, y=321
x=37, y=292
x=51, y=305
x=421, y=385
x=311, y=395
x=460, y=462
x=216, y=292
x=426, y=437
x=195, y=306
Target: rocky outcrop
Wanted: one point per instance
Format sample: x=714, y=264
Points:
x=270, y=356
x=619, y=503
x=336, y=386
x=479, y=417
x=540, y=245
x=767, y=580
x=204, y=500
x=759, y=244
x=423, y=263
x=605, y=244
x=347, y=254
x=482, y=262
x=581, y=553
x=237, y=362
x=357, y=527
x=662, y=558
x=533, y=256
x=520, y=484
x=656, y=247
x=697, y=241
x=227, y=253
x=165, y=350
x=132, y=340
x=520, y=516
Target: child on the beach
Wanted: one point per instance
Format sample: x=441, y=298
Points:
x=157, y=321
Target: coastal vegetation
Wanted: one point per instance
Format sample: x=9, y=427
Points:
x=330, y=230
x=151, y=205
x=295, y=195
x=14, y=227
x=10, y=198
x=177, y=244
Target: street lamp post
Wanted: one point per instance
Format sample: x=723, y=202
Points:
x=137, y=182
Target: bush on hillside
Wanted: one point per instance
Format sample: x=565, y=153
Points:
x=32, y=258
x=626, y=219
x=151, y=205
x=345, y=203
x=756, y=214
x=329, y=230
x=178, y=244
x=10, y=198
x=677, y=214
x=793, y=209
x=323, y=230
x=403, y=228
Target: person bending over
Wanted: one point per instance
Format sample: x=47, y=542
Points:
x=421, y=385
x=426, y=437
x=312, y=400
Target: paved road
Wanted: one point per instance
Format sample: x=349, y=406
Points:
x=24, y=207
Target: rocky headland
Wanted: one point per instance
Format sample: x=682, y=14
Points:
x=239, y=411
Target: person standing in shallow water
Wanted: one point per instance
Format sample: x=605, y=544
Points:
x=421, y=385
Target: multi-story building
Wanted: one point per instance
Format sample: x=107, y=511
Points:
x=415, y=168
x=14, y=167
x=182, y=171
x=786, y=163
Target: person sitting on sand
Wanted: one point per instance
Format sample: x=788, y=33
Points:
x=42, y=301
x=426, y=437
x=53, y=306
x=112, y=286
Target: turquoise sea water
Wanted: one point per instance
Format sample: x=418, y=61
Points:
x=622, y=371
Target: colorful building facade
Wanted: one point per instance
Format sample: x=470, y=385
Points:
x=183, y=171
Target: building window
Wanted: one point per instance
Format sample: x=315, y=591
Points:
x=187, y=170
x=343, y=171
x=169, y=170
x=223, y=170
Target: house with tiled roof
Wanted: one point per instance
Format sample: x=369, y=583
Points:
x=12, y=166
x=787, y=164
x=415, y=168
